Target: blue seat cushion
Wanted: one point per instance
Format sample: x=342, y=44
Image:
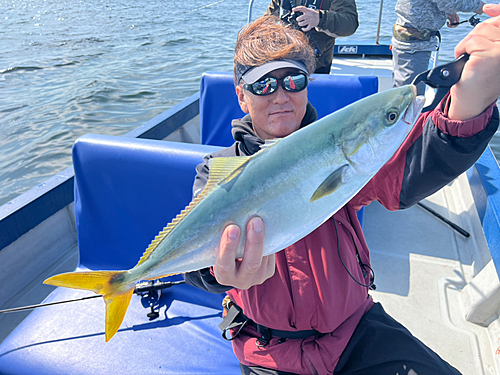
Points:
x=69, y=338
x=126, y=191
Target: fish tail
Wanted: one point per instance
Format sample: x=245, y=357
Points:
x=111, y=284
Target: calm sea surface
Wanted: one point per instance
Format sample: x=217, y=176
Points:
x=68, y=68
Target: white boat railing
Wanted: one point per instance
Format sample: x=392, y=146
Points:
x=379, y=21
x=250, y=6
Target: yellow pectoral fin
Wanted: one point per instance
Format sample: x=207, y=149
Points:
x=330, y=184
x=110, y=284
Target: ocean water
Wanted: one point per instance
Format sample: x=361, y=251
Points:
x=73, y=67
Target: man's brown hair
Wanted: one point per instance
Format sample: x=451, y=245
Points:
x=267, y=39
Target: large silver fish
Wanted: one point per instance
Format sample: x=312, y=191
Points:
x=294, y=184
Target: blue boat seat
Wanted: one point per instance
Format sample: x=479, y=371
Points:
x=327, y=93
x=127, y=190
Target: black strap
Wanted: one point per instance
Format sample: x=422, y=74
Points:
x=235, y=318
x=268, y=333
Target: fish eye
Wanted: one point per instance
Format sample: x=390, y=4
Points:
x=391, y=116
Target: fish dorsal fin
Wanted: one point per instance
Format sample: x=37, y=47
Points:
x=222, y=170
x=330, y=184
x=269, y=142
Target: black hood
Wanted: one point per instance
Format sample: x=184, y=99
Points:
x=249, y=142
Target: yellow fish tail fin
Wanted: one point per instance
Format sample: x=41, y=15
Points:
x=116, y=307
x=111, y=284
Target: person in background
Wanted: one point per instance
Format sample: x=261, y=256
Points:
x=303, y=312
x=322, y=21
x=416, y=33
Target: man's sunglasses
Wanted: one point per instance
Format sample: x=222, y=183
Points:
x=268, y=85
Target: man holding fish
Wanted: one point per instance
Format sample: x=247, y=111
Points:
x=307, y=309
x=298, y=278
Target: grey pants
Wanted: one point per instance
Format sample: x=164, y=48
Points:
x=408, y=65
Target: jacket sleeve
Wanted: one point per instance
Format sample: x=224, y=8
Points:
x=341, y=19
x=273, y=9
x=458, y=6
x=436, y=151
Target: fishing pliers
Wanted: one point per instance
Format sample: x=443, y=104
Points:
x=441, y=78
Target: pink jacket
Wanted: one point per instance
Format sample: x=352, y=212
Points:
x=311, y=289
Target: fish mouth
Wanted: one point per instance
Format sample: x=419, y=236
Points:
x=414, y=109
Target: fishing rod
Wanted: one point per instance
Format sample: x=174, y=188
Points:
x=474, y=21
x=147, y=290
x=250, y=5
x=207, y=6
x=456, y=227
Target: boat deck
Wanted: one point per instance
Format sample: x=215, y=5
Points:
x=420, y=279
x=380, y=67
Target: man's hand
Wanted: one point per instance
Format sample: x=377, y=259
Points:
x=479, y=85
x=308, y=19
x=253, y=269
x=481, y=8
x=453, y=20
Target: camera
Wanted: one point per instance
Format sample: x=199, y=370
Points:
x=291, y=19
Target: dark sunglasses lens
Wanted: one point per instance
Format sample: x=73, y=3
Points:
x=268, y=85
x=265, y=86
x=295, y=83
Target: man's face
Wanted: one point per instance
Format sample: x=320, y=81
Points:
x=278, y=114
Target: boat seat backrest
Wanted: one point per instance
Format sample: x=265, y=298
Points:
x=219, y=103
x=126, y=191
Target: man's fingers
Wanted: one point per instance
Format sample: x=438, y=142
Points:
x=253, y=269
x=492, y=10
x=481, y=70
x=259, y=268
x=485, y=34
x=300, y=8
x=453, y=20
x=225, y=262
x=270, y=268
x=254, y=248
x=308, y=19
